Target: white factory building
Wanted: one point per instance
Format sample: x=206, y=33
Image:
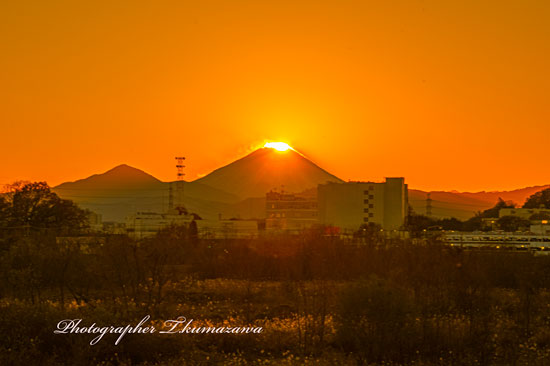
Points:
x=349, y=205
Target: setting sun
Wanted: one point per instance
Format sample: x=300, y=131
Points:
x=279, y=146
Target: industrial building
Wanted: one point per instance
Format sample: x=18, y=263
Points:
x=290, y=212
x=349, y=205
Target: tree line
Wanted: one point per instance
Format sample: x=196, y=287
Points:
x=418, y=223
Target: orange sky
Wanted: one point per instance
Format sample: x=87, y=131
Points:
x=448, y=94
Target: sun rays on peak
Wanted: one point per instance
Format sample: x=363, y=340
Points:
x=279, y=146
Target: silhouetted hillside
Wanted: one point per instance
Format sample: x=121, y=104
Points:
x=266, y=169
x=464, y=205
x=238, y=190
x=124, y=190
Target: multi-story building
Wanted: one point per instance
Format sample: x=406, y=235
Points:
x=349, y=205
x=290, y=212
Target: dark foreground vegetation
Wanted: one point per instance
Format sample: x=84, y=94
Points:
x=320, y=300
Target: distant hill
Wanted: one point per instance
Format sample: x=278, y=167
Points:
x=120, y=177
x=464, y=205
x=124, y=190
x=266, y=169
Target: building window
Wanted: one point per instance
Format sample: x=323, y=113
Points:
x=365, y=201
x=365, y=192
x=365, y=219
x=371, y=206
x=371, y=188
x=371, y=215
x=371, y=197
x=365, y=210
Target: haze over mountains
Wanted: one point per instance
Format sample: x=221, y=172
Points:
x=235, y=190
x=124, y=190
x=238, y=189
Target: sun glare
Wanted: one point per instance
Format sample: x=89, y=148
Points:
x=279, y=146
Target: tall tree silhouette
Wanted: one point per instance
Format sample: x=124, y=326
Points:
x=35, y=206
x=540, y=199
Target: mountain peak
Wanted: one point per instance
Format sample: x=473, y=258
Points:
x=122, y=166
x=126, y=171
x=266, y=169
x=120, y=176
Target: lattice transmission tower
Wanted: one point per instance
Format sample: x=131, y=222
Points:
x=175, y=198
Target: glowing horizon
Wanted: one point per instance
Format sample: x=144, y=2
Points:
x=433, y=91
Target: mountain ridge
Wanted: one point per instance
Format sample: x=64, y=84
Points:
x=265, y=169
x=238, y=189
